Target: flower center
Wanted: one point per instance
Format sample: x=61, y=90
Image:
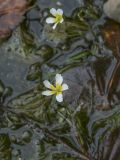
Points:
x=58, y=18
x=56, y=90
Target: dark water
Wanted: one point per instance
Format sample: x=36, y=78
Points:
x=86, y=125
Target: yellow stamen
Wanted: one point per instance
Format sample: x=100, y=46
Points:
x=58, y=18
x=52, y=87
x=56, y=90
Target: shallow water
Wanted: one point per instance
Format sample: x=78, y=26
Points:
x=86, y=126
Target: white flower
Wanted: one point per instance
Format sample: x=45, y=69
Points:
x=57, y=89
x=58, y=17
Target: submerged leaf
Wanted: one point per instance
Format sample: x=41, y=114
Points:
x=111, y=33
x=5, y=151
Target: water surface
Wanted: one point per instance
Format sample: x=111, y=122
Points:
x=86, y=125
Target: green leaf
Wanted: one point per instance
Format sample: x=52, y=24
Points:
x=5, y=150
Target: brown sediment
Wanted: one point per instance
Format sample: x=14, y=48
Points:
x=11, y=14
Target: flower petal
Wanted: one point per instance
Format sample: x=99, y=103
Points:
x=59, y=97
x=55, y=25
x=47, y=93
x=53, y=11
x=62, y=20
x=64, y=87
x=50, y=20
x=59, y=79
x=60, y=11
x=47, y=84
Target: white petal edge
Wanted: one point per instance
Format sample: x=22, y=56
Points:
x=60, y=11
x=53, y=11
x=64, y=87
x=55, y=25
x=62, y=20
x=59, y=79
x=47, y=93
x=47, y=84
x=59, y=97
x=50, y=20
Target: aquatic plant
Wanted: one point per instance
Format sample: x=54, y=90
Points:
x=57, y=89
x=58, y=17
x=84, y=52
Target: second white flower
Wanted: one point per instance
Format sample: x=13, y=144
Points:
x=57, y=17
